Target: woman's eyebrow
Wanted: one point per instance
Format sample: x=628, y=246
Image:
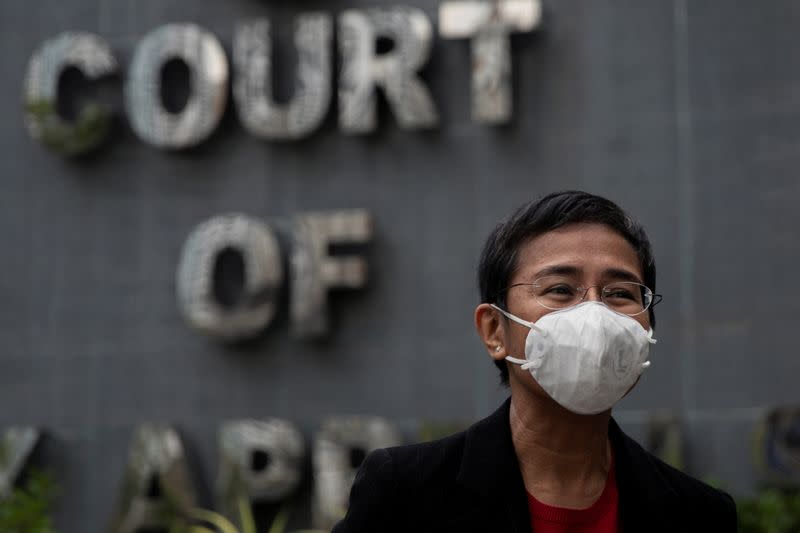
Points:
x=569, y=270
x=558, y=270
x=618, y=273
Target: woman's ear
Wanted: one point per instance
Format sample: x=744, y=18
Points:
x=491, y=330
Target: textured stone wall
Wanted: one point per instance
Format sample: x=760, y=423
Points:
x=685, y=113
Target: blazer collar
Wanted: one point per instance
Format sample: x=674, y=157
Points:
x=489, y=467
x=644, y=495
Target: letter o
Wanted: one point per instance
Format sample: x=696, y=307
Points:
x=262, y=277
x=208, y=65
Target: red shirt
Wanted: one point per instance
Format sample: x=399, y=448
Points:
x=601, y=517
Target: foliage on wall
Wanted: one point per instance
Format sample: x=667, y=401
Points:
x=27, y=509
x=771, y=511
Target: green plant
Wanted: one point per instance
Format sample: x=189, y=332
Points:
x=27, y=509
x=771, y=511
x=69, y=138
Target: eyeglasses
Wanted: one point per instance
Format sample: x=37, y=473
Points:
x=558, y=292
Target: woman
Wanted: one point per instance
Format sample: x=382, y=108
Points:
x=567, y=290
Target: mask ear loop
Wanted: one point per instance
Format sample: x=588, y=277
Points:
x=525, y=363
x=651, y=340
x=521, y=322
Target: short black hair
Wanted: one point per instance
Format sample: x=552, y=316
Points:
x=498, y=260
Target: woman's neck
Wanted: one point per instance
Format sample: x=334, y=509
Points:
x=564, y=458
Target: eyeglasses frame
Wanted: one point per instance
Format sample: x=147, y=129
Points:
x=656, y=298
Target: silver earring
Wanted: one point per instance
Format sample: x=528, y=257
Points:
x=498, y=348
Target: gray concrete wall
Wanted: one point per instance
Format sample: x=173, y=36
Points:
x=685, y=113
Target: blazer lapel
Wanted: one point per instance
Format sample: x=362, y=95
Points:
x=489, y=467
x=644, y=497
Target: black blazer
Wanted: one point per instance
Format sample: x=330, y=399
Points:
x=471, y=482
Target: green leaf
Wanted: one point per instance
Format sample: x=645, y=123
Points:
x=28, y=508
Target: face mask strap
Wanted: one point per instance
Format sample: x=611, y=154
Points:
x=524, y=364
x=521, y=322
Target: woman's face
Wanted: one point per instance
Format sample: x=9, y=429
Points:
x=593, y=255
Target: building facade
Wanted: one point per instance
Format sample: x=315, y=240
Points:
x=686, y=114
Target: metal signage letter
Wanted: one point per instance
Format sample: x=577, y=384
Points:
x=157, y=491
x=208, y=65
x=339, y=449
x=256, y=302
x=775, y=447
x=260, y=461
x=489, y=25
x=252, y=89
x=314, y=270
x=395, y=71
x=92, y=56
x=17, y=445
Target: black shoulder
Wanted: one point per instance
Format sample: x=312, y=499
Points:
x=396, y=482
x=372, y=494
x=428, y=463
x=710, y=505
x=684, y=483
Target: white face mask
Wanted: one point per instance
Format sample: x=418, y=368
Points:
x=586, y=357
